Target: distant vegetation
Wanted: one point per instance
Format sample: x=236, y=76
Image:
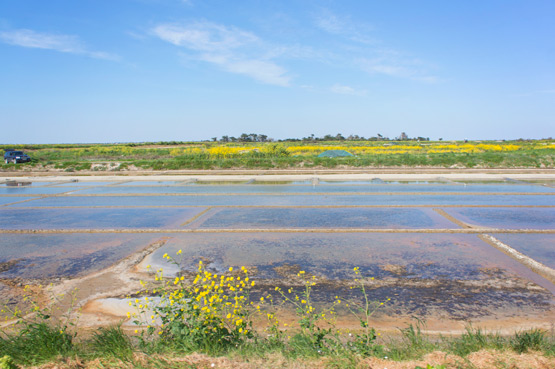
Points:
x=257, y=151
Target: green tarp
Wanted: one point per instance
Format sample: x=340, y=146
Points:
x=334, y=154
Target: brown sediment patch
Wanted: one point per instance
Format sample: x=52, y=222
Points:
x=5, y=266
x=287, y=270
x=395, y=269
x=17, y=294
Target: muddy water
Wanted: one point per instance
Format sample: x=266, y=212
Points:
x=410, y=199
x=323, y=188
x=456, y=276
x=11, y=218
x=435, y=276
x=271, y=218
x=29, y=256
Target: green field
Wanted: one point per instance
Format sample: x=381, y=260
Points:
x=286, y=155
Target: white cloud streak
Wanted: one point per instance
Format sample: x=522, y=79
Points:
x=61, y=43
x=344, y=26
x=346, y=90
x=372, y=59
x=396, y=66
x=229, y=48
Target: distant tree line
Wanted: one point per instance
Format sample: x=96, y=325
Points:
x=255, y=137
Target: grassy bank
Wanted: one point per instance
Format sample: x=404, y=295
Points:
x=214, y=155
x=203, y=320
x=49, y=346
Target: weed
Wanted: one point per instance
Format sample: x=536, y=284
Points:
x=523, y=341
x=473, y=340
x=363, y=343
x=39, y=336
x=111, y=341
x=413, y=344
x=311, y=336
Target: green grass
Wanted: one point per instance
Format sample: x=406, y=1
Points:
x=40, y=343
x=111, y=342
x=37, y=343
x=182, y=155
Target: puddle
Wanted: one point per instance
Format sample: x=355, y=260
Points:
x=270, y=218
x=540, y=247
x=120, y=307
x=455, y=275
x=48, y=256
x=18, y=218
x=507, y=218
x=292, y=200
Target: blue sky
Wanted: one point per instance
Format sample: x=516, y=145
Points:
x=151, y=70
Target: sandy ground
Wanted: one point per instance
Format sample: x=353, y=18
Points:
x=484, y=359
x=386, y=174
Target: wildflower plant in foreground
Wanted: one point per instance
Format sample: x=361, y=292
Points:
x=363, y=343
x=42, y=332
x=212, y=311
x=309, y=316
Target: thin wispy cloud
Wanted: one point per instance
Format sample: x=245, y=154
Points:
x=397, y=66
x=346, y=90
x=344, y=26
x=57, y=42
x=369, y=53
x=230, y=48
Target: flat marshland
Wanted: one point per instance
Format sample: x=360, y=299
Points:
x=285, y=155
x=365, y=270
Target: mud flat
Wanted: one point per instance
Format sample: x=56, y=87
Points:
x=430, y=241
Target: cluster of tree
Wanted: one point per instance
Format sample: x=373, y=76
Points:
x=254, y=137
x=251, y=137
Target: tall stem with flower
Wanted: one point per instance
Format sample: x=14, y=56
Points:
x=309, y=316
x=363, y=311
